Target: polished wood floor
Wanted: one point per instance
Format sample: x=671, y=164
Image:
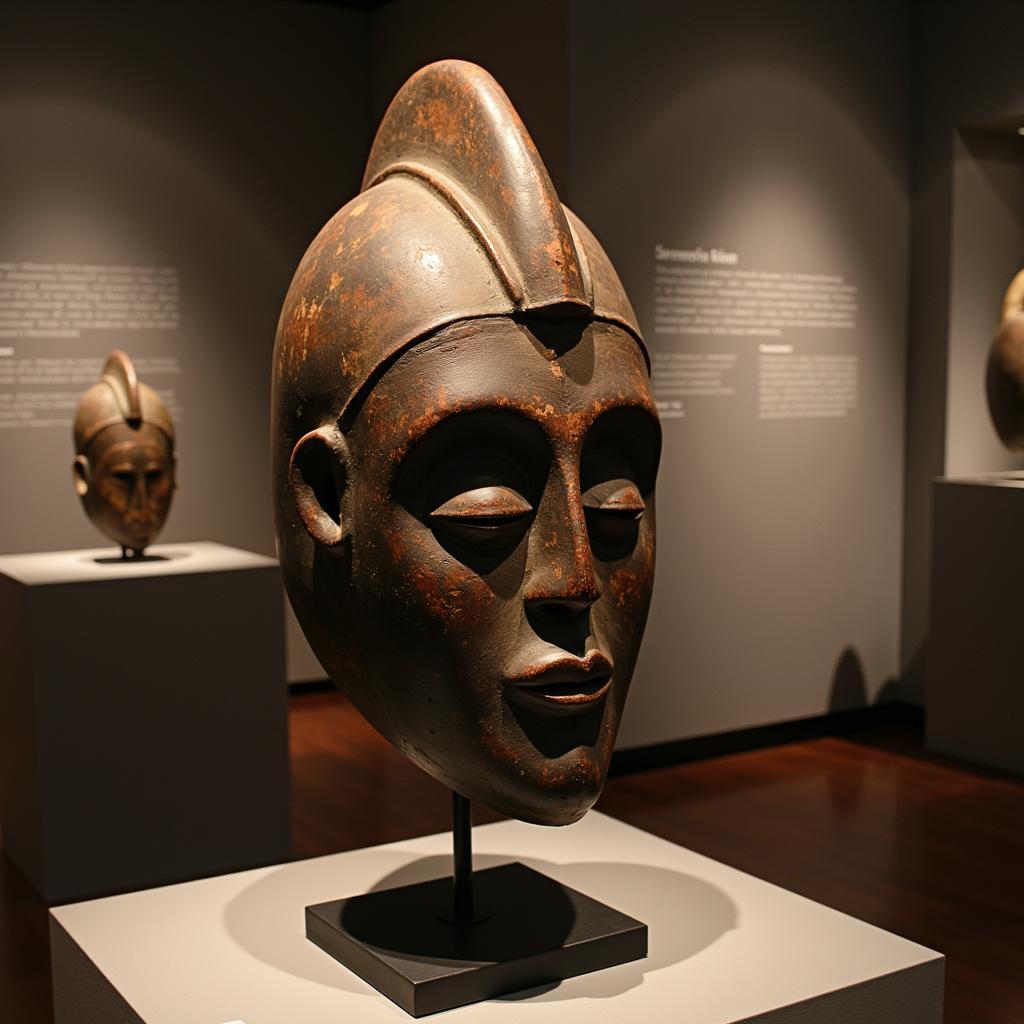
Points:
x=868, y=824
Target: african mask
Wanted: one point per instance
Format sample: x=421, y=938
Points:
x=124, y=466
x=1005, y=374
x=465, y=452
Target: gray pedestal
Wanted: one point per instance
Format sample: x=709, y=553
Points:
x=724, y=947
x=975, y=672
x=143, y=717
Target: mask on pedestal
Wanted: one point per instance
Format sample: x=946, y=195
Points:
x=465, y=452
x=124, y=466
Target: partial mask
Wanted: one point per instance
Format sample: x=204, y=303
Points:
x=465, y=453
x=1004, y=380
x=124, y=464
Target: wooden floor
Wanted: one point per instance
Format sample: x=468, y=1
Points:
x=868, y=824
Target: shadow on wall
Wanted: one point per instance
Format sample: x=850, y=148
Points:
x=849, y=687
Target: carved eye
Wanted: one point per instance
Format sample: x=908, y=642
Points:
x=486, y=517
x=124, y=476
x=613, y=509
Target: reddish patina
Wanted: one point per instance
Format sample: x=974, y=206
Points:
x=465, y=457
x=124, y=468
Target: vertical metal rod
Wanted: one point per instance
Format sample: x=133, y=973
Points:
x=462, y=848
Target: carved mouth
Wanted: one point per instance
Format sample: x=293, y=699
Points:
x=563, y=684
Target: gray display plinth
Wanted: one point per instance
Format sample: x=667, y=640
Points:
x=143, y=717
x=724, y=947
x=975, y=673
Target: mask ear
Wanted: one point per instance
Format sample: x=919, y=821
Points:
x=80, y=472
x=318, y=473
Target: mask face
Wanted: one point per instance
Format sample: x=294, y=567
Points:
x=489, y=518
x=126, y=483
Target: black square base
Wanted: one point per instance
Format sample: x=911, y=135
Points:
x=539, y=931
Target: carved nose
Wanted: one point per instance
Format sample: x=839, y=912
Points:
x=565, y=587
x=138, y=499
x=562, y=585
x=563, y=621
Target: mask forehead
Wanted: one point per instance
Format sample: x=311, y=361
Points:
x=139, y=446
x=143, y=443
x=499, y=364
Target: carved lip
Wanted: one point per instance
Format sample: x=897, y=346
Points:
x=563, y=683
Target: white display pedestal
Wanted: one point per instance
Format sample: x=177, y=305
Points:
x=975, y=668
x=143, y=717
x=724, y=947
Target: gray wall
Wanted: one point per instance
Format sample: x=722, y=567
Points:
x=780, y=131
x=965, y=243
x=131, y=138
x=777, y=593
x=215, y=139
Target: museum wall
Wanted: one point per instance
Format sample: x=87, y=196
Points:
x=770, y=197
x=160, y=176
x=200, y=177
x=967, y=241
x=752, y=188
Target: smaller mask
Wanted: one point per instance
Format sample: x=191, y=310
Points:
x=1004, y=380
x=124, y=463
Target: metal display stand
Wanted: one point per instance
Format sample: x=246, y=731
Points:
x=443, y=943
